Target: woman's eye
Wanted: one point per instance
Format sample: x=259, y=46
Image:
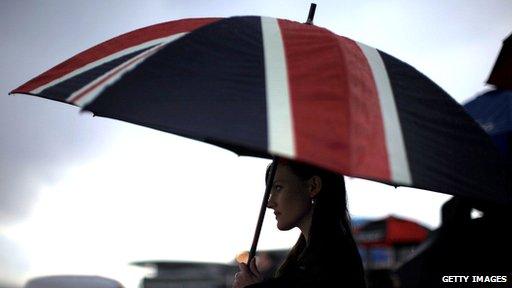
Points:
x=278, y=187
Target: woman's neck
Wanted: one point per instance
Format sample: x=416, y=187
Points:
x=305, y=225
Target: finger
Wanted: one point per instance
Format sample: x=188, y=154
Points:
x=235, y=282
x=243, y=268
x=254, y=268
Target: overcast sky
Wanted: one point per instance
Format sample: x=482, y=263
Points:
x=87, y=195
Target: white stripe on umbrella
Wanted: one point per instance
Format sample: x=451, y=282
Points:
x=281, y=139
x=108, y=59
x=89, y=92
x=397, y=156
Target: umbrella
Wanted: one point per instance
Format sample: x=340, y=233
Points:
x=271, y=87
x=493, y=111
x=501, y=74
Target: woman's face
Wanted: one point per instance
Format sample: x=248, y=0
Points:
x=289, y=199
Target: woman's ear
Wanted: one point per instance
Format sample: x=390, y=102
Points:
x=315, y=185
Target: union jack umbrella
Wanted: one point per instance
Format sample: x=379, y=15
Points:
x=271, y=87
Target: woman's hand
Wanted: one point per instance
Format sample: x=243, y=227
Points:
x=247, y=275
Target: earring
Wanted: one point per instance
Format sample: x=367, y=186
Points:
x=312, y=201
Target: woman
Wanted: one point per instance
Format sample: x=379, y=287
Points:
x=325, y=255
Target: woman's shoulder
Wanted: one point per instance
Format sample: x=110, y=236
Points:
x=296, y=279
x=308, y=278
x=337, y=260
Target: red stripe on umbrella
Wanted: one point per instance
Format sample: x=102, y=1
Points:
x=367, y=137
x=325, y=111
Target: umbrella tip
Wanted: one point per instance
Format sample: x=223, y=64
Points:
x=86, y=112
x=311, y=14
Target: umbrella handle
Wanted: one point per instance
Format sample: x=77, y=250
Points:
x=263, y=208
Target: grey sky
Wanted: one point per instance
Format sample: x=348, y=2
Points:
x=453, y=42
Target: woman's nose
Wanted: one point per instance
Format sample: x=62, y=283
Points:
x=271, y=203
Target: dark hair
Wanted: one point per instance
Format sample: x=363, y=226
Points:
x=330, y=222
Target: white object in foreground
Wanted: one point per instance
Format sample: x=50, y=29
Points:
x=72, y=281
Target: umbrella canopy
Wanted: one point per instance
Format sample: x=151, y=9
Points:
x=501, y=75
x=493, y=111
x=271, y=87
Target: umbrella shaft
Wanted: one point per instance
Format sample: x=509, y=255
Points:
x=264, y=203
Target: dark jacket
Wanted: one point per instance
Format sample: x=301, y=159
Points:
x=324, y=267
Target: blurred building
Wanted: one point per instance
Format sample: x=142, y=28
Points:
x=384, y=244
x=388, y=242
x=174, y=274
